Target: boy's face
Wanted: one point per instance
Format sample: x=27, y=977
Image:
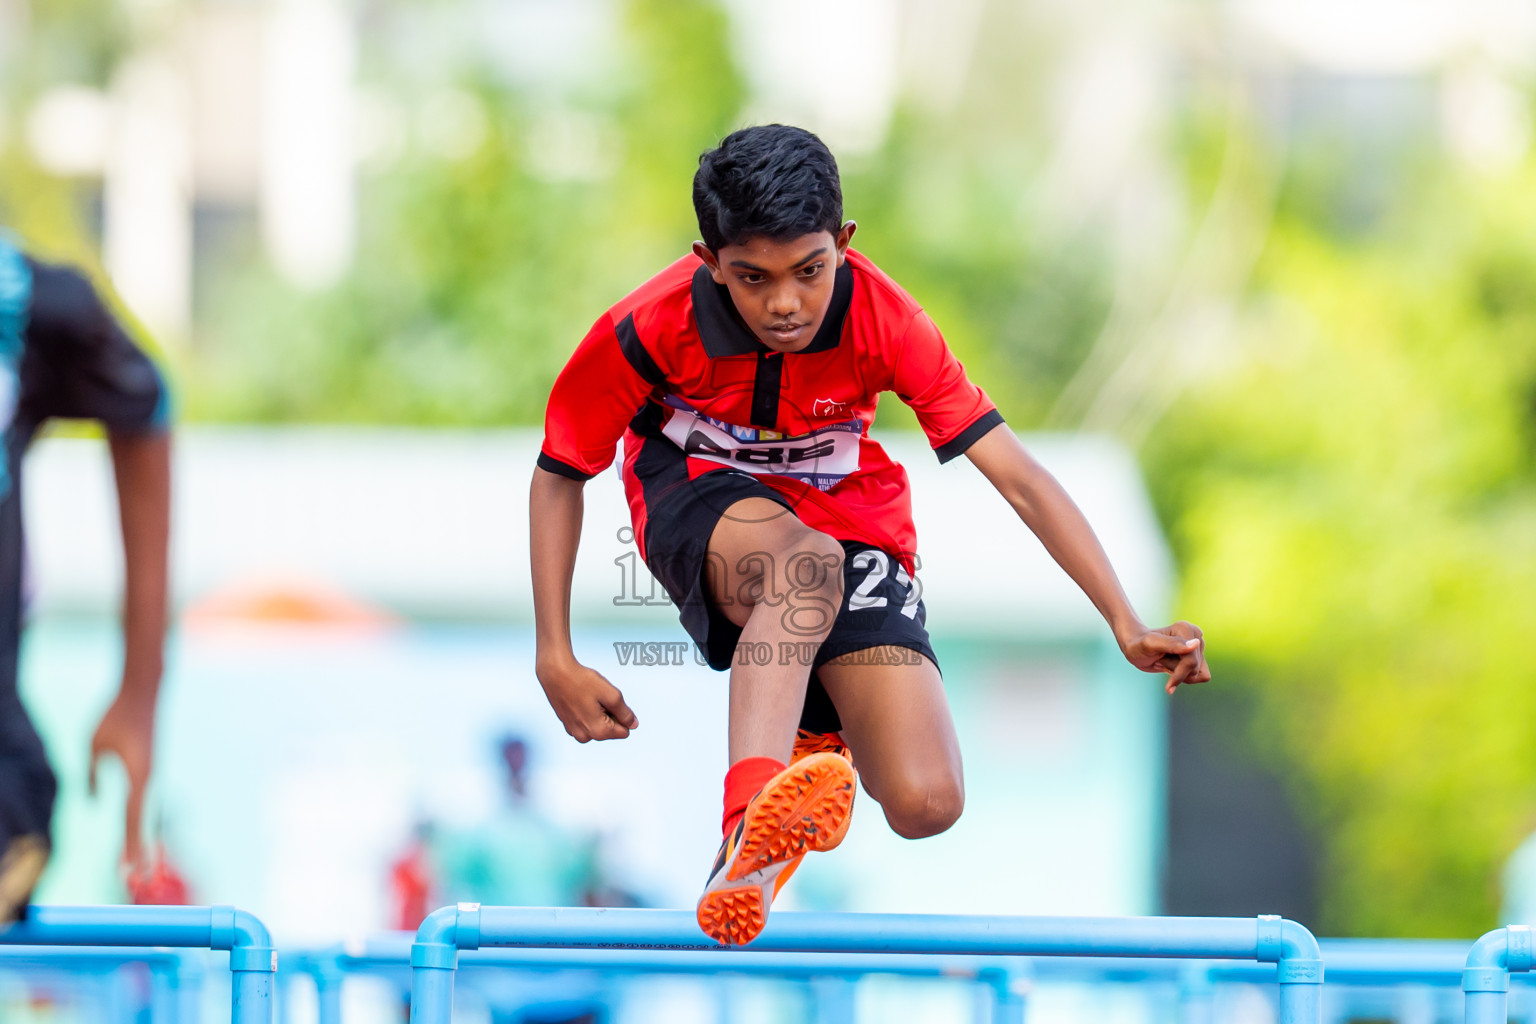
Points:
x=781, y=288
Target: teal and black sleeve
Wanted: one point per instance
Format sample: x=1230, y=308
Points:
x=81, y=364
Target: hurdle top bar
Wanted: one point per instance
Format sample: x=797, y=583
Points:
x=220, y=927
x=1267, y=939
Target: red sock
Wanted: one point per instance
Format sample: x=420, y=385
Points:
x=742, y=782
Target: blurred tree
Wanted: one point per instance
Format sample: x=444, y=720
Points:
x=1018, y=301
x=78, y=42
x=42, y=211
x=66, y=42
x=479, y=271
x=1353, y=503
x=950, y=206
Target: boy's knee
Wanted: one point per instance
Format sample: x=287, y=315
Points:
x=924, y=808
x=813, y=561
x=812, y=573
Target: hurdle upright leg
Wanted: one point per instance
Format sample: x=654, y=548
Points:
x=833, y=1000
x=1486, y=978
x=1300, y=968
x=252, y=966
x=435, y=960
x=1197, y=994
x=1003, y=989
x=328, y=981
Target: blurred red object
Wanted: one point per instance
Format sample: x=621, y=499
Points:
x=410, y=886
x=158, y=884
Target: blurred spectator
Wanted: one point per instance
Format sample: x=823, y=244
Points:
x=63, y=355
x=518, y=857
x=411, y=890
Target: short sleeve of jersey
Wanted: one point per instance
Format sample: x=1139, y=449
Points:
x=606, y=381
x=81, y=364
x=952, y=411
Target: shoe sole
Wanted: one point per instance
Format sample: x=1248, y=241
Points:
x=841, y=750
x=837, y=834
x=800, y=811
x=803, y=810
x=734, y=916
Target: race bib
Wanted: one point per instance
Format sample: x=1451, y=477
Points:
x=820, y=458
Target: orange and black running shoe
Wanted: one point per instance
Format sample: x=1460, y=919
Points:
x=807, y=743
x=797, y=812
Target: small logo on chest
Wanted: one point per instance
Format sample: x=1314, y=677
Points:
x=827, y=408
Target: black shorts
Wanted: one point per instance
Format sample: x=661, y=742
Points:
x=882, y=606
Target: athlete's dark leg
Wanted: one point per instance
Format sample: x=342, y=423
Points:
x=27, y=784
x=897, y=724
x=27, y=791
x=782, y=583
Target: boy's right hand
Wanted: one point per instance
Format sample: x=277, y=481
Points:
x=589, y=706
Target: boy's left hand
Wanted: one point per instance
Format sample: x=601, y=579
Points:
x=1178, y=649
x=128, y=730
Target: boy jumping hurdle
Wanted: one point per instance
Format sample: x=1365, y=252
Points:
x=743, y=381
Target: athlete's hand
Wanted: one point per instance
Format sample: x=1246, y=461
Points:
x=128, y=730
x=1178, y=650
x=589, y=706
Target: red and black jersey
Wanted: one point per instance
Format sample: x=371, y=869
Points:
x=674, y=363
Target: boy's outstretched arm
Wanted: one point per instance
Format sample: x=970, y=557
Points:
x=1051, y=514
x=589, y=706
x=142, y=467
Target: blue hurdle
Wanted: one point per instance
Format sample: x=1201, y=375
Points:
x=1486, y=978
x=252, y=960
x=1358, y=971
x=468, y=926
x=176, y=974
x=1366, y=977
x=1003, y=978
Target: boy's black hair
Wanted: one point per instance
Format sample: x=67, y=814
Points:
x=769, y=181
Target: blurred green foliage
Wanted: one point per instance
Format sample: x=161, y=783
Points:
x=1348, y=484
x=477, y=276
x=1354, y=510
x=78, y=41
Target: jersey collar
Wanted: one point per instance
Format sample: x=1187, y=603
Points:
x=723, y=333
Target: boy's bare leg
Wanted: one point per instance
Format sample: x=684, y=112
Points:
x=781, y=582
x=897, y=724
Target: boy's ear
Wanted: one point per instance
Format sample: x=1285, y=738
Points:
x=710, y=260
x=844, y=236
